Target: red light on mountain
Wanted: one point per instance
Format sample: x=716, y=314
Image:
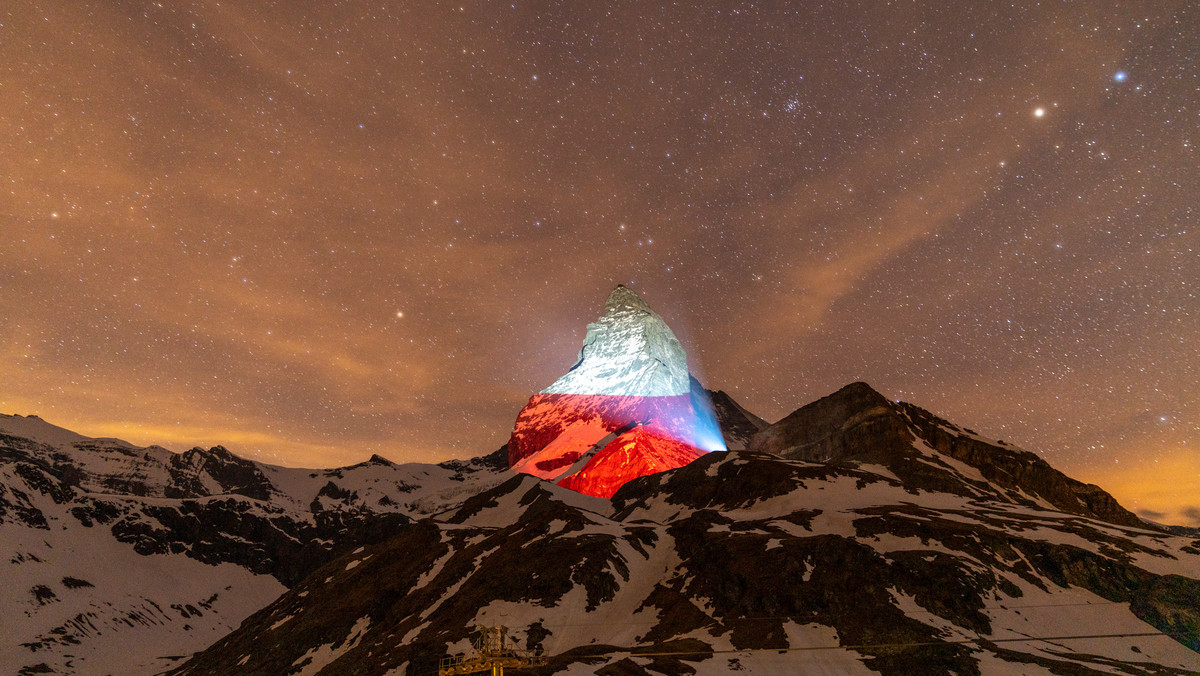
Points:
x=623, y=411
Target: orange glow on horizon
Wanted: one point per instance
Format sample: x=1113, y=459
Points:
x=1165, y=490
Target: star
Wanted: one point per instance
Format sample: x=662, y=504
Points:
x=1120, y=76
x=1039, y=112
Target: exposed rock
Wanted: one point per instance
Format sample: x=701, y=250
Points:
x=854, y=423
x=231, y=474
x=737, y=425
x=629, y=350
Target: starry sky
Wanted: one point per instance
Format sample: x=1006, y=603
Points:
x=312, y=231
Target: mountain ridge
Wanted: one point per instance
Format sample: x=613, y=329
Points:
x=722, y=564
x=190, y=542
x=952, y=560
x=872, y=428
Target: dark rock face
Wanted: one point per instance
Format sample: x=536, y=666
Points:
x=270, y=542
x=856, y=423
x=1016, y=469
x=231, y=473
x=262, y=538
x=737, y=424
x=251, y=523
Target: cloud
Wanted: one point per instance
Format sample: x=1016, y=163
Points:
x=1161, y=486
x=1192, y=512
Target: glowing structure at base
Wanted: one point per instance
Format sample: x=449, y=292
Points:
x=625, y=410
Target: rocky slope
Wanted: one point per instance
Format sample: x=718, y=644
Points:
x=903, y=545
x=122, y=559
x=738, y=426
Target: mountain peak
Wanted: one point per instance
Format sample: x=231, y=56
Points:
x=628, y=351
x=33, y=427
x=858, y=424
x=624, y=409
x=858, y=389
x=808, y=433
x=623, y=298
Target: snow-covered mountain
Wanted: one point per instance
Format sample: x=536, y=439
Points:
x=123, y=559
x=888, y=541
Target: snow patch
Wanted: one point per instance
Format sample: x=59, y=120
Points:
x=280, y=623
x=316, y=659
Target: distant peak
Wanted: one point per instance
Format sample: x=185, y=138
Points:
x=33, y=427
x=622, y=297
x=859, y=389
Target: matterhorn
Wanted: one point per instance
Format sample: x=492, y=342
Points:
x=624, y=410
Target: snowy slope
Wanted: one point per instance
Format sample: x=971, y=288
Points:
x=77, y=600
x=889, y=542
x=747, y=562
x=123, y=559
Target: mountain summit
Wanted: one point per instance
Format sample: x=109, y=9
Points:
x=625, y=409
x=628, y=351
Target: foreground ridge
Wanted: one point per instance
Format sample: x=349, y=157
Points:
x=884, y=558
x=890, y=541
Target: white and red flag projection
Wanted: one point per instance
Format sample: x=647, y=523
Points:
x=627, y=408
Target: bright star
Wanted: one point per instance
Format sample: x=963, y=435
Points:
x=1120, y=76
x=1039, y=112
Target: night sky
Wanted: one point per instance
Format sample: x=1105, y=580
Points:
x=312, y=231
